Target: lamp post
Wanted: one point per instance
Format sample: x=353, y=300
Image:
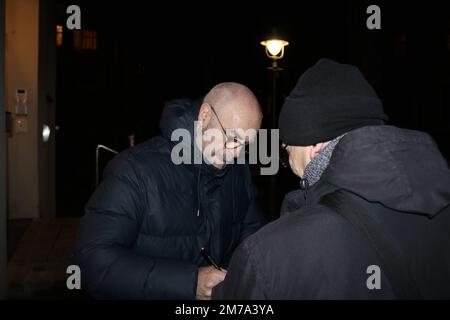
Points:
x=275, y=51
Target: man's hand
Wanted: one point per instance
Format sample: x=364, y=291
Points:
x=208, y=278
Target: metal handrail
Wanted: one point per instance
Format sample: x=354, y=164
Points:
x=100, y=146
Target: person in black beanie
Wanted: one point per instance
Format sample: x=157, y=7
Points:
x=371, y=217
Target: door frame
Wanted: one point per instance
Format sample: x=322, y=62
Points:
x=3, y=209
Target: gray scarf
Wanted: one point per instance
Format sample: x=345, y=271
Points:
x=317, y=166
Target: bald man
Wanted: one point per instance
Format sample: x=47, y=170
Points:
x=146, y=223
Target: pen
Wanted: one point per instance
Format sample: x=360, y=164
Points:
x=209, y=259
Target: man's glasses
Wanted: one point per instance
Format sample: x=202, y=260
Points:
x=230, y=142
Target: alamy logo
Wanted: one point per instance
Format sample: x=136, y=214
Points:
x=212, y=146
x=74, y=20
x=374, y=280
x=374, y=20
x=74, y=280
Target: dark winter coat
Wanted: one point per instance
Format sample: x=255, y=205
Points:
x=312, y=252
x=146, y=222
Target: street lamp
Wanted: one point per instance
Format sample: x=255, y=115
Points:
x=274, y=50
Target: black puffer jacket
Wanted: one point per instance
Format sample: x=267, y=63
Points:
x=148, y=219
x=401, y=180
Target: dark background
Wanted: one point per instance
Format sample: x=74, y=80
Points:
x=148, y=53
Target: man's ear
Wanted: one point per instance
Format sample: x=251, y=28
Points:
x=315, y=149
x=204, y=115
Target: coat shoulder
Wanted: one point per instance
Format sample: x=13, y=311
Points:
x=155, y=151
x=295, y=255
x=307, y=223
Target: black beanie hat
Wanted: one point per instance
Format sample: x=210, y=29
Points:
x=329, y=100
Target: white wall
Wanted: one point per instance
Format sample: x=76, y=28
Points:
x=21, y=64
